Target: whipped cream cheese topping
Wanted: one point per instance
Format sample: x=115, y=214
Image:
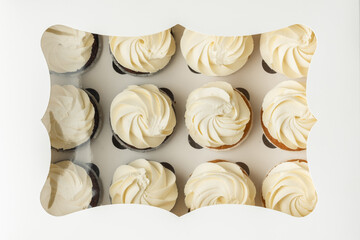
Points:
x=144, y=182
x=289, y=50
x=286, y=114
x=68, y=188
x=66, y=49
x=215, y=55
x=142, y=116
x=216, y=115
x=288, y=188
x=145, y=54
x=69, y=118
x=218, y=183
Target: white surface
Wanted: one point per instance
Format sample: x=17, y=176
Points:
x=333, y=95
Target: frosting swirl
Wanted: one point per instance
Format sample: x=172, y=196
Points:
x=68, y=188
x=216, y=115
x=218, y=183
x=288, y=188
x=66, y=49
x=144, y=182
x=289, y=50
x=69, y=118
x=142, y=116
x=145, y=54
x=286, y=114
x=215, y=55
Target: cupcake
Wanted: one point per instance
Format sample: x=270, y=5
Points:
x=144, y=55
x=144, y=182
x=142, y=117
x=215, y=55
x=218, y=116
x=71, y=118
x=70, y=187
x=289, y=50
x=219, y=182
x=285, y=116
x=68, y=50
x=288, y=188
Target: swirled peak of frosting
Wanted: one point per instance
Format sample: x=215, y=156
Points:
x=68, y=188
x=145, y=54
x=69, y=118
x=289, y=50
x=216, y=115
x=66, y=49
x=289, y=188
x=215, y=55
x=218, y=183
x=286, y=114
x=142, y=116
x=144, y=182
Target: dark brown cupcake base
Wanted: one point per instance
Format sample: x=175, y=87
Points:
x=94, y=99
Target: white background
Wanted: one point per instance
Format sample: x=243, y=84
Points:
x=333, y=95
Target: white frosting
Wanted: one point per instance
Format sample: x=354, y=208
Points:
x=68, y=188
x=66, y=49
x=289, y=50
x=216, y=115
x=69, y=118
x=215, y=55
x=218, y=183
x=286, y=114
x=142, y=116
x=145, y=54
x=144, y=182
x=288, y=188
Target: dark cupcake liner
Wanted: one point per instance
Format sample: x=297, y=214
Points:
x=94, y=173
x=97, y=120
x=164, y=164
x=123, y=70
x=95, y=53
x=123, y=145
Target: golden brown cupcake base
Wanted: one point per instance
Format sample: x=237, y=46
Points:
x=273, y=140
x=246, y=130
x=292, y=160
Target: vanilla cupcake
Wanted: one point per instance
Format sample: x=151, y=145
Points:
x=70, y=187
x=218, y=116
x=142, y=117
x=144, y=182
x=219, y=182
x=144, y=55
x=68, y=50
x=215, y=55
x=288, y=188
x=289, y=50
x=71, y=118
x=285, y=116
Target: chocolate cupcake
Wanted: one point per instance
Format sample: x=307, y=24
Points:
x=70, y=187
x=289, y=50
x=285, y=116
x=144, y=55
x=215, y=55
x=144, y=182
x=68, y=50
x=71, y=118
x=288, y=188
x=142, y=117
x=218, y=116
x=219, y=182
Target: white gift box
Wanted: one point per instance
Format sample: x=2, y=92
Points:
x=333, y=92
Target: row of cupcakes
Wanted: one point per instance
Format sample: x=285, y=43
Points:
x=287, y=51
x=71, y=186
x=218, y=116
